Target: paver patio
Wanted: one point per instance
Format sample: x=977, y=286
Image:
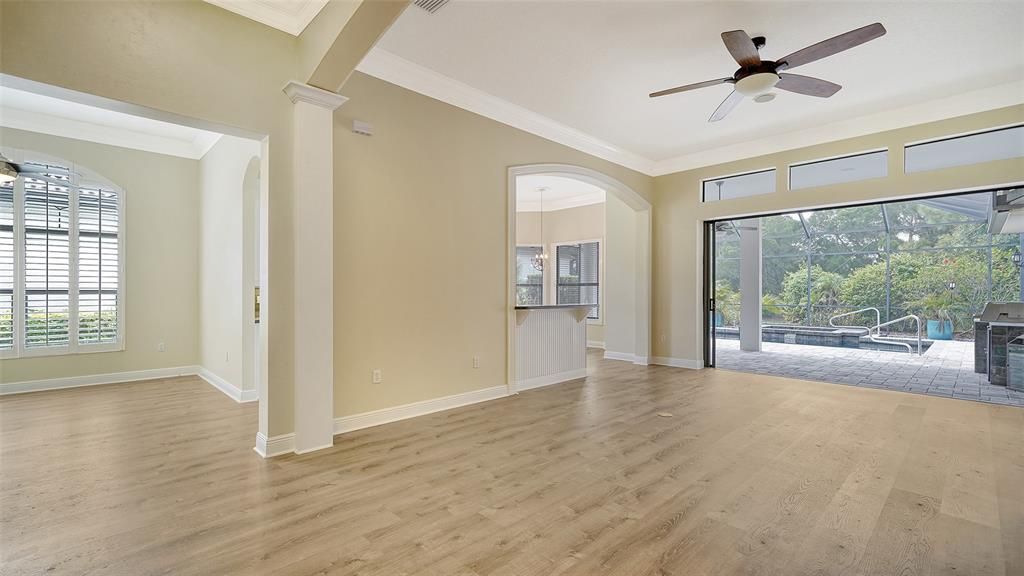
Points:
x=945, y=369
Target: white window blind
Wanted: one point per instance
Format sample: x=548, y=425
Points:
x=6, y=266
x=47, y=259
x=578, y=277
x=60, y=264
x=98, y=258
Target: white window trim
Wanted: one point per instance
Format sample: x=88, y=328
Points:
x=78, y=178
x=700, y=190
x=553, y=257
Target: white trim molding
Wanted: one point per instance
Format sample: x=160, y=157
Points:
x=95, y=379
x=392, y=68
x=291, y=17
x=595, y=344
x=626, y=357
x=549, y=379
x=299, y=92
x=677, y=362
x=274, y=446
x=395, y=413
x=232, y=391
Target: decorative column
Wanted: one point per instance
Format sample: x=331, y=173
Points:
x=750, y=285
x=313, y=222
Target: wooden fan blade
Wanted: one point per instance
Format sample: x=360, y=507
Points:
x=832, y=46
x=678, y=89
x=807, y=85
x=742, y=48
x=726, y=106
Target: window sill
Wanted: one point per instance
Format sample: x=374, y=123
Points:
x=64, y=351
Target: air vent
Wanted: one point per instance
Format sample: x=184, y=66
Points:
x=431, y=5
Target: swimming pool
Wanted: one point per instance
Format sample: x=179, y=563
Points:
x=822, y=336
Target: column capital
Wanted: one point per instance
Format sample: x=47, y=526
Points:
x=299, y=92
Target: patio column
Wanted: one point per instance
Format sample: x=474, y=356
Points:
x=313, y=214
x=750, y=285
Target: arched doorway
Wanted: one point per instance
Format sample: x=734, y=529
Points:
x=631, y=326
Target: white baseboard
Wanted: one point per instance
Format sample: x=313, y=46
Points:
x=95, y=379
x=677, y=362
x=132, y=376
x=595, y=344
x=275, y=446
x=385, y=415
x=626, y=357
x=550, y=379
x=232, y=391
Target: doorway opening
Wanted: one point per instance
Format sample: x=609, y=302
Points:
x=885, y=295
x=576, y=238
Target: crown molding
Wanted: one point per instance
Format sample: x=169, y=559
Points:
x=389, y=67
x=561, y=204
x=42, y=123
x=299, y=92
x=392, y=68
x=291, y=17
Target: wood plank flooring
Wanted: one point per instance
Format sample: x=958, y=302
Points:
x=750, y=475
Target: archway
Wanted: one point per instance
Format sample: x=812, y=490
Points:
x=635, y=347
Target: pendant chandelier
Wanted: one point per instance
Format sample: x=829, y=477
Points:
x=541, y=257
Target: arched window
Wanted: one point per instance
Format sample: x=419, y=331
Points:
x=61, y=262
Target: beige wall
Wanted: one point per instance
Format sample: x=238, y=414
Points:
x=678, y=212
x=577, y=224
x=620, y=286
x=421, y=219
x=161, y=241
x=224, y=293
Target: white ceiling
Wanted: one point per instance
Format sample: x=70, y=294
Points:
x=291, y=16
x=37, y=113
x=543, y=193
x=579, y=73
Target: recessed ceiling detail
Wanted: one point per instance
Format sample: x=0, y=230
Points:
x=47, y=115
x=291, y=16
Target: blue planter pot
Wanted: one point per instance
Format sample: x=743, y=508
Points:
x=719, y=319
x=940, y=330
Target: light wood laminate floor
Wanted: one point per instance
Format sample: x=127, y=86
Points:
x=750, y=475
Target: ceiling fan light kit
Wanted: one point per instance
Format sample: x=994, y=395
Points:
x=756, y=79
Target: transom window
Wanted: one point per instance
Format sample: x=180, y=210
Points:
x=60, y=263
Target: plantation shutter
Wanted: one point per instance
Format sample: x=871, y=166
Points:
x=578, y=279
x=6, y=266
x=47, y=258
x=98, y=265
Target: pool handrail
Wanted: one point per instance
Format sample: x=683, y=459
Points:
x=867, y=331
x=910, y=349
x=878, y=326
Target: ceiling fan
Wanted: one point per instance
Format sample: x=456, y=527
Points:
x=9, y=171
x=756, y=78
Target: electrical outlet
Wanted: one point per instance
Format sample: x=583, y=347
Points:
x=160, y=347
x=377, y=376
x=476, y=361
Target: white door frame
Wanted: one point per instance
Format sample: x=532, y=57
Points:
x=643, y=241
